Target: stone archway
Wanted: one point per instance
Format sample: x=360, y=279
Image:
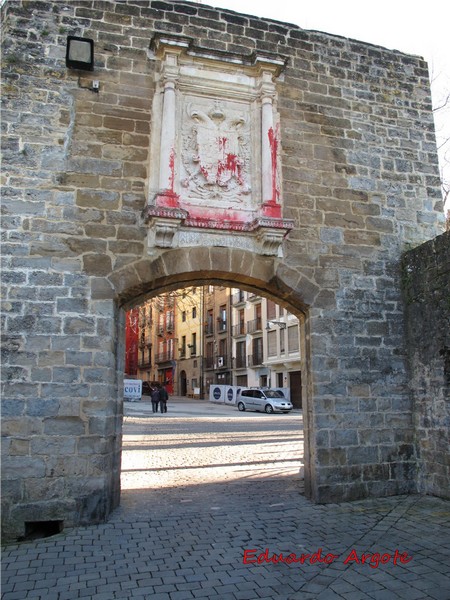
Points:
x=297, y=199
x=225, y=266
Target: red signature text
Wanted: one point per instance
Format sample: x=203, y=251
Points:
x=372, y=559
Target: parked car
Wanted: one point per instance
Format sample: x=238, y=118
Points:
x=268, y=401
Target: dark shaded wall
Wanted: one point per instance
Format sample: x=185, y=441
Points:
x=426, y=274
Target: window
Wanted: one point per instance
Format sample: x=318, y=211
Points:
x=240, y=355
x=223, y=318
x=169, y=320
x=194, y=344
x=257, y=351
x=209, y=355
x=258, y=320
x=282, y=341
x=209, y=322
x=241, y=321
x=183, y=316
x=272, y=343
x=293, y=339
x=194, y=312
x=223, y=349
x=271, y=309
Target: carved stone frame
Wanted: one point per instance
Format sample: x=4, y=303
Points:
x=215, y=177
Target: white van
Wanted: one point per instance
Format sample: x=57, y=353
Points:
x=263, y=400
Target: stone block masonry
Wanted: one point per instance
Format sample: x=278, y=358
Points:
x=426, y=278
x=359, y=178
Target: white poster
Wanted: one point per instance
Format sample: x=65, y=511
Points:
x=132, y=389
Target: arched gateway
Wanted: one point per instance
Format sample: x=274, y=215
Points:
x=205, y=146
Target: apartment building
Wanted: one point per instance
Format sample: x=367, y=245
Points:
x=265, y=344
x=188, y=321
x=156, y=357
x=131, y=342
x=217, y=336
x=193, y=338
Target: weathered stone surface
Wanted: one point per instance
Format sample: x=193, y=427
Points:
x=426, y=280
x=360, y=180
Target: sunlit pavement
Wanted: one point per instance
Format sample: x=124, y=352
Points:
x=210, y=495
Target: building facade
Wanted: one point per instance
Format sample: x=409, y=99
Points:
x=217, y=335
x=189, y=319
x=131, y=343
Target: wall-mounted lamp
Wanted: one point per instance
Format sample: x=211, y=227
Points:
x=80, y=53
x=280, y=324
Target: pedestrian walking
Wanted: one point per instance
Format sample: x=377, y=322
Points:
x=155, y=399
x=163, y=397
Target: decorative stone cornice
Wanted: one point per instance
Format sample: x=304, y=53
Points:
x=173, y=228
x=161, y=43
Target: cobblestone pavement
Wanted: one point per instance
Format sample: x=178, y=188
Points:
x=206, y=490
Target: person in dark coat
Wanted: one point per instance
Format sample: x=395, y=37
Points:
x=155, y=399
x=163, y=397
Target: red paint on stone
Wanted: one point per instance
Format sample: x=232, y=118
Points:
x=168, y=198
x=172, y=170
x=273, y=142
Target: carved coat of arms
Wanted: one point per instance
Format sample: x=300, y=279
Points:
x=216, y=154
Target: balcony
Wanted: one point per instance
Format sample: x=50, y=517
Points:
x=221, y=325
x=238, y=298
x=255, y=359
x=144, y=364
x=240, y=362
x=163, y=357
x=239, y=329
x=252, y=297
x=254, y=326
x=145, y=340
x=223, y=361
x=219, y=362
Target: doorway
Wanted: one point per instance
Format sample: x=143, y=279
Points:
x=183, y=383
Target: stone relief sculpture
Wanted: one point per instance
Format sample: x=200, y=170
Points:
x=216, y=146
x=216, y=153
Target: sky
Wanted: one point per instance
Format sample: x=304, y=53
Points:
x=419, y=28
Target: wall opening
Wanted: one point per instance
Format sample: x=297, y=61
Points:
x=35, y=530
x=216, y=357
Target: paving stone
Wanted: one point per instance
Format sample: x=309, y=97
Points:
x=161, y=559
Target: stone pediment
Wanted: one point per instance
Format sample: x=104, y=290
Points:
x=216, y=172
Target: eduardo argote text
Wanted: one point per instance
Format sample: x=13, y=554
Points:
x=373, y=559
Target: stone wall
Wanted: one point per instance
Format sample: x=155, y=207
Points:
x=359, y=177
x=426, y=274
